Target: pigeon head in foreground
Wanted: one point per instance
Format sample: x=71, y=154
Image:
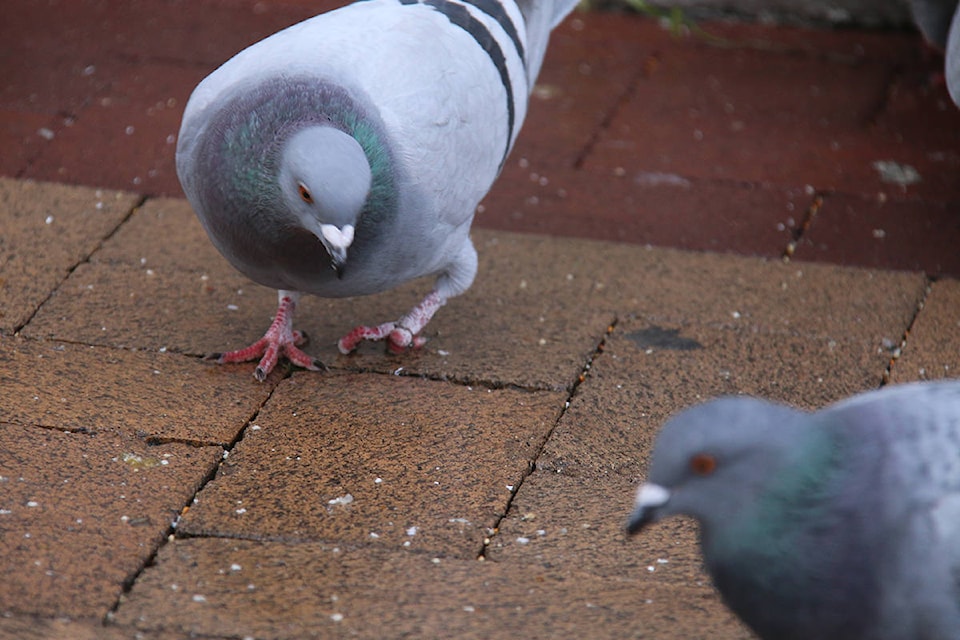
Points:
x=840, y=524
x=346, y=155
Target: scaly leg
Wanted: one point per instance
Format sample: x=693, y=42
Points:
x=279, y=340
x=401, y=334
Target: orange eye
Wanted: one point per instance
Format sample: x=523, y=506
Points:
x=305, y=193
x=703, y=464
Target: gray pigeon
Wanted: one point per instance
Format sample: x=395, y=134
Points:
x=840, y=524
x=346, y=155
x=952, y=71
x=939, y=22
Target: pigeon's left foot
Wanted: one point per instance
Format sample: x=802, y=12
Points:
x=279, y=340
x=402, y=334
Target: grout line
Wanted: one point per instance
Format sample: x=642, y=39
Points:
x=171, y=532
x=645, y=70
x=139, y=203
x=898, y=350
x=808, y=216
x=532, y=464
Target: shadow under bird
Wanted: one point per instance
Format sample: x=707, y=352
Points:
x=842, y=524
x=346, y=155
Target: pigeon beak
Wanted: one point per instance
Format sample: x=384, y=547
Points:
x=336, y=241
x=646, y=509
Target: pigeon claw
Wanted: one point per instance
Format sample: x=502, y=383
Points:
x=402, y=334
x=402, y=339
x=279, y=340
x=269, y=350
x=398, y=338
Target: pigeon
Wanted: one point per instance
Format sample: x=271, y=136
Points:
x=347, y=154
x=939, y=22
x=952, y=71
x=838, y=524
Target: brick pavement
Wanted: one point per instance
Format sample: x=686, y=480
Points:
x=145, y=493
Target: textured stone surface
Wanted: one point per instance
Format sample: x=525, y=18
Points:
x=572, y=509
x=24, y=627
x=931, y=350
x=666, y=286
x=256, y=589
x=45, y=231
x=428, y=466
x=876, y=232
x=82, y=513
x=151, y=395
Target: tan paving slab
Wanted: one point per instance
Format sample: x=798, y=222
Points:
x=253, y=589
x=749, y=294
x=45, y=231
x=571, y=511
x=164, y=233
x=155, y=395
x=81, y=513
x=932, y=349
x=427, y=465
x=523, y=323
x=23, y=627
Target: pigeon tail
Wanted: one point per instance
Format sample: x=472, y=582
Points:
x=541, y=17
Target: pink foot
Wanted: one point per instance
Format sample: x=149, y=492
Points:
x=279, y=340
x=402, y=334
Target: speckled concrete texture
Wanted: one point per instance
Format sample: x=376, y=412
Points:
x=45, y=231
x=407, y=463
x=737, y=208
x=930, y=349
x=246, y=588
x=82, y=512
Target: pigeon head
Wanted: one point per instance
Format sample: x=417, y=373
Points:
x=713, y=461
x=325, y=180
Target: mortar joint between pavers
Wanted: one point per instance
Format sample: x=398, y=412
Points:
x=532, y=463
x=898, y=351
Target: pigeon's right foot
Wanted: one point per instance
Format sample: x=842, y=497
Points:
x=279, y=340
x=402, y=334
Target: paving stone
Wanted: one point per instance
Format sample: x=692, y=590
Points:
x=45, y=231
x=571, y=511
x=35, y=628
x=185, y=244
x=308, y=590
x=932, y=350
x=82, y=513
x=428, y=465
x=573, y=522
x=749, y=294
x=154, y=395
x=139, y=113
x=22, y=137
x=883, y=233
x=645, y=208
x=819, y=114
x=581, y=83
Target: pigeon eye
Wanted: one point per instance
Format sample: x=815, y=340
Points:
x=305, y=193
x=703, y=464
